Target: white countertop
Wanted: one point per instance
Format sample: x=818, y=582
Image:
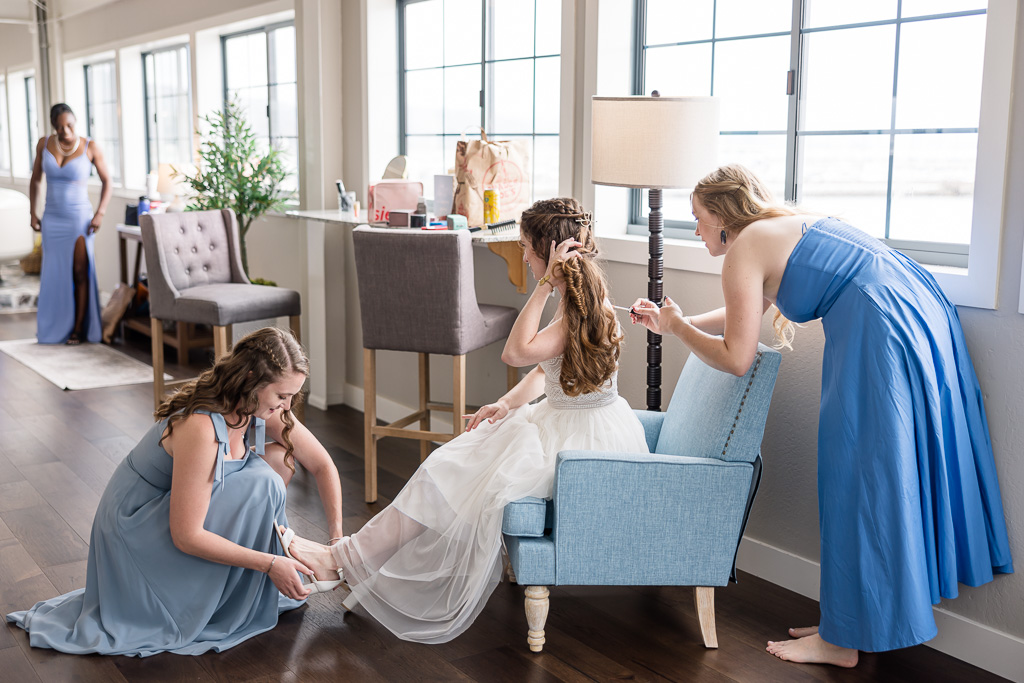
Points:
x=348, y=218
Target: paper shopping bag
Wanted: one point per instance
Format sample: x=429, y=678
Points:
x=492, y=165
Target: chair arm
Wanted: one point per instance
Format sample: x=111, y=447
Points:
x=647, y=518
x=652, y=422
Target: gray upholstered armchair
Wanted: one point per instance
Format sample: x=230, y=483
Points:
x=196, y=276
x=673, y=517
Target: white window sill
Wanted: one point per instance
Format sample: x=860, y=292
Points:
x=693, y=257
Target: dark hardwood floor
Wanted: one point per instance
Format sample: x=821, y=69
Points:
x=57, y=450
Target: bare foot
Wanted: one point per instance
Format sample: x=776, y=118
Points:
x=813, y=650
x=316, y=556
x=803, y=631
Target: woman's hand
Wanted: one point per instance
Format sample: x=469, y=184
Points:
x=657, y=320
x=283, y=574
x=559, y=253
x=492, y=412
x=36, y=224
x=94, y=225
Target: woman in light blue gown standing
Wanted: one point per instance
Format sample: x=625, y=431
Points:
x=908, y=498
x=183, y=557
x=69, y=310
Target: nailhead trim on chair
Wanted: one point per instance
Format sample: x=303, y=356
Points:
x=753, y=374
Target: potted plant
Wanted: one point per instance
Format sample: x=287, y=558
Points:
x=235, y=173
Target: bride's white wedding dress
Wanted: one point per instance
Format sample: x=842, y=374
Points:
x=425, y=566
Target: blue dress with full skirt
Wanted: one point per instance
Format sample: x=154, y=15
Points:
x=908, y=498
x=142, y=595
x=66, y=218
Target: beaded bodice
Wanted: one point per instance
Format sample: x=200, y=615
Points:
x=557, y=398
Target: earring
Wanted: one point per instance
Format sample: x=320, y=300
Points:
x=723, y=237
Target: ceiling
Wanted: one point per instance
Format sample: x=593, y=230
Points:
x=23, y=9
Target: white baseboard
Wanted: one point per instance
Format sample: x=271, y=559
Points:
x=960, y=637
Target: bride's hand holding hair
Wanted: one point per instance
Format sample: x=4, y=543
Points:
x=560, y=253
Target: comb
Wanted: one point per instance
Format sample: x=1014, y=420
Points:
x=502, y=226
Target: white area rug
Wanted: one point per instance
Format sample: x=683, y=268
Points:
x=86, y=366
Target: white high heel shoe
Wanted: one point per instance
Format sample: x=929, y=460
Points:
x=285, y=537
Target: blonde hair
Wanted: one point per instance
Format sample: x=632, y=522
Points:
x=233, y=383
x=737, y=197
x=592, y=339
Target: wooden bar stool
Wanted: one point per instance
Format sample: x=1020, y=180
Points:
x=416, y=294
x=196, y=276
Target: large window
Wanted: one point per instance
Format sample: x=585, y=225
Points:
x=5, y=157
x=31, y=120
x=101, y=113
x=168, y=107
x=260, y=74
x=869, y=110
x=467, y=64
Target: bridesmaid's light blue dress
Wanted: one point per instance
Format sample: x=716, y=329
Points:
x=66, y=217
x=142, y=595
x=908, y=498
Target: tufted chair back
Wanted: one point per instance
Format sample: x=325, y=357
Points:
x=189, y=249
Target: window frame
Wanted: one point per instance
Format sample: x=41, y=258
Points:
x=271, y=53
x=6, y=162
x=31, y=119
x=145, y=97
x=116, y=178
x=941, y=254
x=486, y=97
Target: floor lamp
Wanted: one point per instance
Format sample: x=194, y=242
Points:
x=653, y=143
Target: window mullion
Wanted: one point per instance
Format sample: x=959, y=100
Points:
x=793, y=117
x=892, y=118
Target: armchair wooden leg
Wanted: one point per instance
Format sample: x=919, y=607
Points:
x=512, y=375
x=220, y=342
x=156, y=333
x=369, y=422
x=536, y=616
x=295, y=325
x=424, y=400
x=704, y=597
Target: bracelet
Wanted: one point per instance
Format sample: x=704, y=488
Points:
x=334, y=539
x=272, y=561
x=544, y=280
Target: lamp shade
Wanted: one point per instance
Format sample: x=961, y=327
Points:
x=653, y=142
x=166, y=182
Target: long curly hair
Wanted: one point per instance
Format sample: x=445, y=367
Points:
x=593, y=338
x=737, y=197
x=233, y=383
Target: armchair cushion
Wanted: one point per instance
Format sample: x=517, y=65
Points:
x=527, y=517
x=227, y=303
x=645, y=519
x=652, y=422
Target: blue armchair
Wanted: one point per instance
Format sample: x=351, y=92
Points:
x=673, y=517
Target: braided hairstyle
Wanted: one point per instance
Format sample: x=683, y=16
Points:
x=737, y=197
x=593, y=337
x=233, y=383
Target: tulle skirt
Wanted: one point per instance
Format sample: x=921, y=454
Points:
x=425, y=566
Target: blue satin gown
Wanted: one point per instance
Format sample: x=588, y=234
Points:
x=142, y=595
x=66, y=217
x=908, y=498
